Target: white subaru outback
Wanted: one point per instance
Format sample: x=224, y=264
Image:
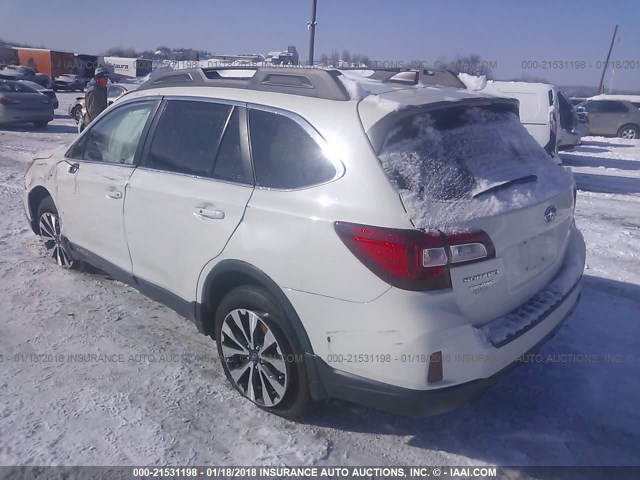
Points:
x=347, y=234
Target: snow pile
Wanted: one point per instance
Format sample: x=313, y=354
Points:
x=443, y=167
x=472, y=82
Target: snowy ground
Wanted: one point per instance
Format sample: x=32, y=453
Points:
x=578, y=407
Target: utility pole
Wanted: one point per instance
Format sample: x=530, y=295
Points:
x=606, y=64
x=312, y=30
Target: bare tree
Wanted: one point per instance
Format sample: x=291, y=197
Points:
x=334, y=58
x=346, y=56
x=472, y=64
x=121, y=52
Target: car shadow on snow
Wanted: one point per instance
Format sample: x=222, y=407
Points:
x=582, y=148
x=562, y=410
x=48, y=129
x=606, y=145
x=590, y=182
x=573, y=160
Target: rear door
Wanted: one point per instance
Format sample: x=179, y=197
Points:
x=189, y=194
x=606, y=116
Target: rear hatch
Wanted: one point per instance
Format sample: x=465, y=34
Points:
x=470, y=166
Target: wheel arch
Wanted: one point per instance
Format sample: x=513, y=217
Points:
x=36, y=195
x=229, y=274
x=627, y=125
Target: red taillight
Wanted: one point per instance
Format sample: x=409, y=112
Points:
x=413, y=259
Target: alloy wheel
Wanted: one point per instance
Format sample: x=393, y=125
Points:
x=629, y=133
x=254, y=357
x=53, y=241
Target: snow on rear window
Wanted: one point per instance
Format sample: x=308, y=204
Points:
x=451, y=166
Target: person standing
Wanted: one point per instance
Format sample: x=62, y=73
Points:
x=95, y=98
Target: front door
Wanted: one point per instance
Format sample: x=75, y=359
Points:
x=91, y=183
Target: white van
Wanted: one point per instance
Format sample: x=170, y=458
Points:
x=539, y=111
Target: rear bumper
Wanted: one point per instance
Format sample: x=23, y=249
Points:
x=387, y=369
x=406, y=401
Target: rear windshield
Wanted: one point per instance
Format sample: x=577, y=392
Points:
x=456, y=164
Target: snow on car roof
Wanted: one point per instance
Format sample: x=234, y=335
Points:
x=610, y=96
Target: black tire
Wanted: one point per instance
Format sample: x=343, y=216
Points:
x=41, y=124
x=296, y=398
x=631, y=132
x=55, y=243
x=75, y=113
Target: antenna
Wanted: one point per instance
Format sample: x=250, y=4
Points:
x=606, y=64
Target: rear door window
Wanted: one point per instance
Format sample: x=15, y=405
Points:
x=187, y=137
x=613, y=107
x=284, y=153
x=229, y=164
x=593, y=107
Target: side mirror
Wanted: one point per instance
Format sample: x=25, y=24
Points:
x=580, y=110
x=73, y=167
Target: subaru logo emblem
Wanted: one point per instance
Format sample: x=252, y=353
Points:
x=550, y=213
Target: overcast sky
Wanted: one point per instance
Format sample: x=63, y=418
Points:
x=512, y=34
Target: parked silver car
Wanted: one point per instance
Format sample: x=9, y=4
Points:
x=68, y=82
x=617, y=118
x=114, y=92
x=22, y=104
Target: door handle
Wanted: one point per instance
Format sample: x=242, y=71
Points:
x=209, y=213
x=114, y=194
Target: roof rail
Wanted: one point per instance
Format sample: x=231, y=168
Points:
x=307, y=82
